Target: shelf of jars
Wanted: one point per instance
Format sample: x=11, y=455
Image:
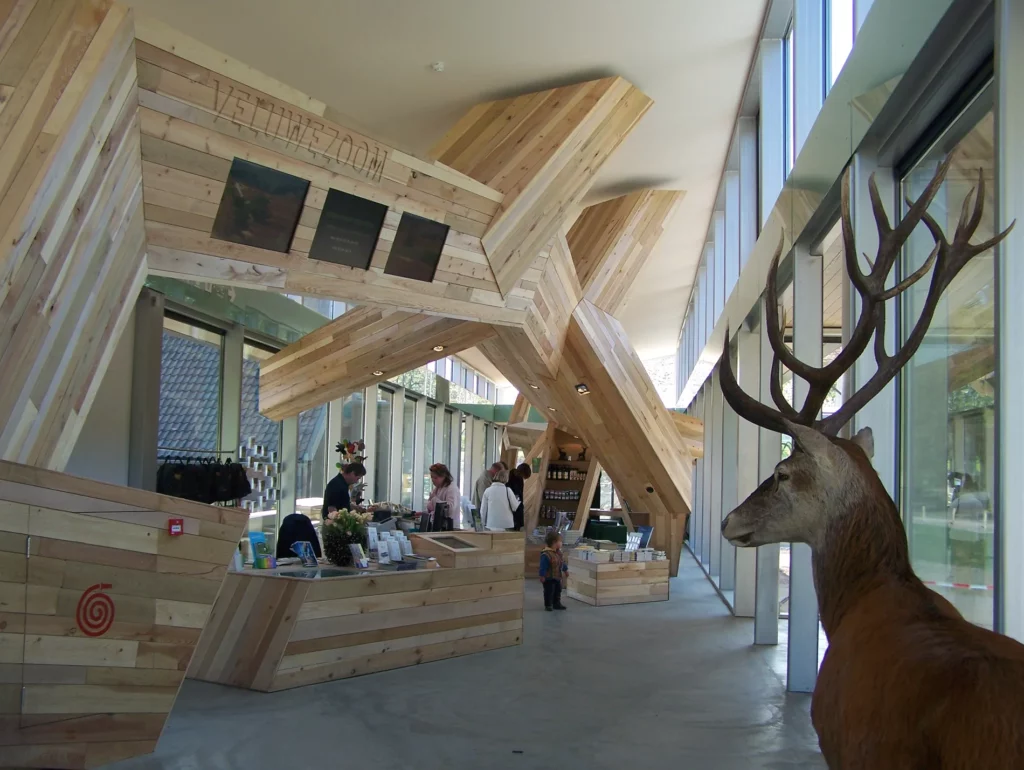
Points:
x=563, y=487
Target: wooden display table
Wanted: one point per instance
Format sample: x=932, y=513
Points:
x=270, y=631
x=628, y=582
x=100, y=611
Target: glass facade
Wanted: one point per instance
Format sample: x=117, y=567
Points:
x=190, y=386
x=352, y=418
x=312, y=453
x=428, y=449
x=446, y=438
x=949, y=388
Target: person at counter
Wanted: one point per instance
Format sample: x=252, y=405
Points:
x=498, y=505
x=445, y=491
x=517, y=483
x=336, y=495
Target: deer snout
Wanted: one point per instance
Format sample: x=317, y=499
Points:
x=736, y=531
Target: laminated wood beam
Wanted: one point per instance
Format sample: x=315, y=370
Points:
x=362, y=347
x=72, y=258
x=541, y=152
x=611, y=242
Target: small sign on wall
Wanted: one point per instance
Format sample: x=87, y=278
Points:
x=175, y=527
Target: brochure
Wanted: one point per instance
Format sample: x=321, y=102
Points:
x=304, y=550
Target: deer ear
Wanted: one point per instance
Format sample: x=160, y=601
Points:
x=865, y=439
x=808, y=439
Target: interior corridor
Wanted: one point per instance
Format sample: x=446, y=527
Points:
x=694, y=693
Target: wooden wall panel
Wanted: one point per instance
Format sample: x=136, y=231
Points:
x=73, y=254
x=610, y=242
x=541, y=151
x=201, y=109
x=342, y=356
x=100, y=611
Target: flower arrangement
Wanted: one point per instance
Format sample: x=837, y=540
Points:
x=352, y=452
x=342, y=529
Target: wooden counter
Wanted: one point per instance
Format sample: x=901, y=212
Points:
x=100, y=611
x=604, y=583
x=269, y=632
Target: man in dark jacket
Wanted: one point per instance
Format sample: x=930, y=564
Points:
x=336, y=495
x=516, y=482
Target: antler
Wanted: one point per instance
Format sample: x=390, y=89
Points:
x=944, y=262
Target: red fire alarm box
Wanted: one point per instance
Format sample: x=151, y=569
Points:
x=176, y=526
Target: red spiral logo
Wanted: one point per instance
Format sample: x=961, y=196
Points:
x=95, y=613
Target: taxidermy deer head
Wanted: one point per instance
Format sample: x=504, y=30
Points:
x=825, y=476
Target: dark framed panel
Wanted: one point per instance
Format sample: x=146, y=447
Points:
x=417, y=248
x=260, y=207
x=348, y=230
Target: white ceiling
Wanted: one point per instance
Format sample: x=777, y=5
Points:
x=370, y=60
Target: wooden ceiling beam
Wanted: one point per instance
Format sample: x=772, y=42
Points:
x=360, y=348
x=611, y=242
x=541, y=152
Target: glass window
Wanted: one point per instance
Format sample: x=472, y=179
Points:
x=382, y=455
x=312, y=453
x=428, y=449
x=840, y=37
x=790, y=96
x=446, y=438
x=408, y=449
x=352, y=417
x=261, y=435
x=190, y=385
x=460, y=473
x=948, y=389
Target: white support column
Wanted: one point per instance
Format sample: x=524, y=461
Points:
x=808, y=65
x=1010, y=414
x=715, y=516
x=711, y=437
x=335, y=412
x=397, y=439
x=719, y=272
x=749, y=223
x=370, y=439
x=231, y=389
x=732, y=231
x=289, y=467
x=748, y=364
x=772, y=125
x=802, y=670
x=766, y=609
x=880, y=413
x=145, y=406
x=695, y=513
x=860, y=12
x=729, y=454
x=419, y=448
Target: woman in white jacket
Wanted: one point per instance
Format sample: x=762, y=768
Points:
x=498, y=504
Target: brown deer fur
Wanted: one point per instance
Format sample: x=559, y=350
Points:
x=906, y=683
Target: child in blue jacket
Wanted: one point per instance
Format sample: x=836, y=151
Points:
x=552, y=571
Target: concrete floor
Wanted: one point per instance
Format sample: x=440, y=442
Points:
x=672, y=684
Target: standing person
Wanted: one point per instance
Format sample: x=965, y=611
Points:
x=336, y=496
x=445, y=491
x=485, y=480
x=499, y=504
x=517, y=483
x=552, y=571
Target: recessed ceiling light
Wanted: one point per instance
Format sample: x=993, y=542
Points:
x=535, y=387
x=582, y=389
x=378, y=373
x=437, y=66
x=551, y=409
x=438, y=348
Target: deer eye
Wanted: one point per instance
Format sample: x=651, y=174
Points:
x=781, y=475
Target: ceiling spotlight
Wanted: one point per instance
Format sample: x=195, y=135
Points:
x=535, y=387
x=551, y=409
x=437, y=66
x=582, y=389
x=378, y=373
x=438, y=348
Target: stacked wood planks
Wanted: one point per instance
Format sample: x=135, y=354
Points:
x=100, y=611
x=604, y=583
x=72, y=258
x=344, y=356
x=272, y=633
x=200, y=110
x=541, y=152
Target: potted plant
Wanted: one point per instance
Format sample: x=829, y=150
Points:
x=342, y=529
x=352, y=452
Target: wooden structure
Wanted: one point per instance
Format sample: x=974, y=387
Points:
x=630, y=582
x=100, y=611
x=269, y=632
x=73, y=254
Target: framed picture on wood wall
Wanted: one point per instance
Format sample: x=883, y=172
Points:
x=417, y=248
x=260, y=207
x=348, y=230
